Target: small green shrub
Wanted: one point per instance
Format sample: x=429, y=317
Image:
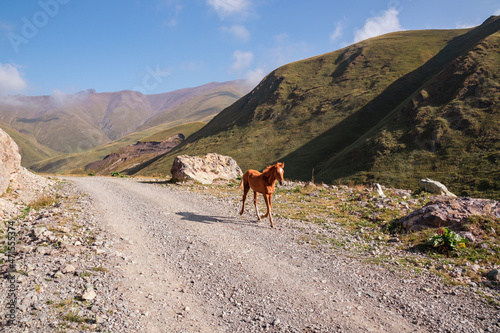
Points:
x=446, y=241
x=115, y=174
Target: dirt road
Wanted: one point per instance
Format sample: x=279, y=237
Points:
x=192, y=264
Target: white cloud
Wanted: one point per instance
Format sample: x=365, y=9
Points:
x=239, y=31
x=242, y=60
x=336, y=33
x=379, y=25
x=229, y=7
x=15, y=100
x=497, y=12
x=11, y=80
x=464, y=26
x=253, y=77
x=60, y=98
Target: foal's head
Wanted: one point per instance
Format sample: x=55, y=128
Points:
x=279, y=172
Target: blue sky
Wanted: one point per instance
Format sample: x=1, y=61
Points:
x=155, y=46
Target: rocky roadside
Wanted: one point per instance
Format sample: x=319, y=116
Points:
x=63, y=269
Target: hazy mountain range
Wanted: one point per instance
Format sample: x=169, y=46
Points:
x=74, y=123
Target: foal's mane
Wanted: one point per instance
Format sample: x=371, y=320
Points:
x=268, y=173
x=268, y=169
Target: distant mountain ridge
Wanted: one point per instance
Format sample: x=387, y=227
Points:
x=78, y=122
x=393, y=108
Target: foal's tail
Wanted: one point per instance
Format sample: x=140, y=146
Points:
x=243, y=181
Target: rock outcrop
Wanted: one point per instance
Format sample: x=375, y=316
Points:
x=205, y=169
x=435, y=187
x=450, y=213
x=133, y=155
x=10, y=160
x=21, y=182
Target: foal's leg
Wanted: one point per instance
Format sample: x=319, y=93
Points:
x=267, y=198
x=255, y=204
x=245, y=191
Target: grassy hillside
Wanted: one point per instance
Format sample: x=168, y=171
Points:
x=186, y=129
x=448, y=130
x=202, y=107
x=348, y=114
x=75, y=163
x=31, y=151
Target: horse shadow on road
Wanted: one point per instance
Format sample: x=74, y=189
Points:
x=193, y=217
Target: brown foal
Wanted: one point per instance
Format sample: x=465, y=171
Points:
x=262, y=183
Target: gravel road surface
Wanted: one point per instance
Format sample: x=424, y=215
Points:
x=192, y=264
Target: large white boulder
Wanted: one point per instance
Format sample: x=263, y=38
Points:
x=435, y=187
x=205, y=169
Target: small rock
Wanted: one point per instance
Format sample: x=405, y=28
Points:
x=89, y=295
x=475, y=267
x=66, y=230
x=468, y=235
x=38, y=231
x=493, y=275
x=58, y=275
x=44, y=250
x=378, y=188
x=68, y=269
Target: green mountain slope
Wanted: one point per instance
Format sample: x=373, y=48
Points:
x=449, y=130
x=31, y=151
x=348, y=115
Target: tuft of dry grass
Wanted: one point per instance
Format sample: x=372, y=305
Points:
x=46, y=200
